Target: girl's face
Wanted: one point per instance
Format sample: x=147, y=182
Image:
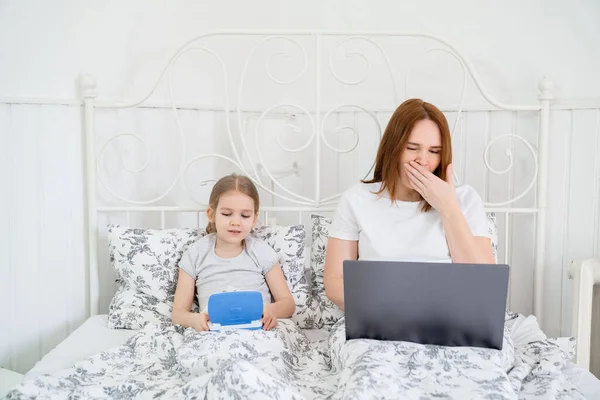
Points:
x=424, y=146
x=234, y=217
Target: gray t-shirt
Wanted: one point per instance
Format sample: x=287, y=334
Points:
x=214, y=274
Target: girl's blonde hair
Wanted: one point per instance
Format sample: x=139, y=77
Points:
x=238, y=183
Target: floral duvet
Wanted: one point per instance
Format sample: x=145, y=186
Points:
x=166, y=361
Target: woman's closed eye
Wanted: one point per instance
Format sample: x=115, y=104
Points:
x=435, y=151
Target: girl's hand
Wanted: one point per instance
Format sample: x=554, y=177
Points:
x=269, y=320
x=440, y=194
x=201, y=323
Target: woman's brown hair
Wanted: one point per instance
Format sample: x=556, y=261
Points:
x=238, y=183
x=393, y=143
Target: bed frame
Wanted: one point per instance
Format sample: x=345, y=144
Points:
x=317, y=66
x=586, y=276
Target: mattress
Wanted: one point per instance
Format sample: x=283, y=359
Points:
x=94, y=336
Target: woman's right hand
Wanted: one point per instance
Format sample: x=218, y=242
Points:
x=201, y=322
x=338, y=250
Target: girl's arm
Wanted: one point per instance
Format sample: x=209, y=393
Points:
x=284, y=305
x=182, y=304
x=338, y=250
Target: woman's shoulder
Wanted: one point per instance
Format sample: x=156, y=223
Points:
x=361, y=190
x=467, y=195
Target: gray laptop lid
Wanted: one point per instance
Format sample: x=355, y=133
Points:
x=428, y=303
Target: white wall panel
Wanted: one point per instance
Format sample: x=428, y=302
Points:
x=43, y=276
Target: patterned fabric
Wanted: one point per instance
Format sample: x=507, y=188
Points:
x=320, y=232
x=169, y=362
x=289, y=243
x=493, y=231
x=145, y=261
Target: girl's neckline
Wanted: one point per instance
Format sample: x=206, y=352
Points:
x=214, y=250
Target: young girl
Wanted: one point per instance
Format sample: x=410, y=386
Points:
x=229, y=259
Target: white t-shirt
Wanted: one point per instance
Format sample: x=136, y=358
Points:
x=399, y=230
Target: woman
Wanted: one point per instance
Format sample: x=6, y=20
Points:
x=410, y=210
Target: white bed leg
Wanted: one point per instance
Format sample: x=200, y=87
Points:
x=585, y=274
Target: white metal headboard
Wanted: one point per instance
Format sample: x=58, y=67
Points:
x=318, y=66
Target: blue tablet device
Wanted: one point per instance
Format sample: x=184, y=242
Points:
x=235, y=310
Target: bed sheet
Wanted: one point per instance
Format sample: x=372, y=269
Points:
x=584, y=380
x=92, y=337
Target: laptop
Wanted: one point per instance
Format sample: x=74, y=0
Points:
x=443, y=304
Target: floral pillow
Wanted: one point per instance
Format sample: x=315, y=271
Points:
x=330, y=313
x=493, y=231
x=289, y=243
x=145, y=261
x=320, y=232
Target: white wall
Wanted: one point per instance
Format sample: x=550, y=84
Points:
x=512, y=43
x=42, y=279
x=44, y=46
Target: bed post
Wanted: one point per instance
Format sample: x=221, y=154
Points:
x=545, y=97
x=586, y=275
x=88, y=92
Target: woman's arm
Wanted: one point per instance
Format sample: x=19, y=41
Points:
x=182, y=304
x=338, y=250
x=284, y=304
x=464, y=247
x=441, y=195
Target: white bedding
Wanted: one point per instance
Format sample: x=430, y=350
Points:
x=315, y=335
x=94, y=336
x=584, y=380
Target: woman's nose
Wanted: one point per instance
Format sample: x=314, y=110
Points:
x=421, y=159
